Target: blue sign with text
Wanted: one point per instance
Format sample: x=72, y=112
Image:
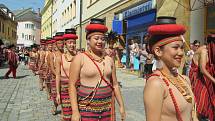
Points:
x=138, y=9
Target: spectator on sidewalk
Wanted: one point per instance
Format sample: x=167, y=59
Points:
x=12, y=61
x=195, y=45
x=143, y=56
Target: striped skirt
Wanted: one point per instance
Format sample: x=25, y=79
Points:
x=203, y=90
x=32, y=66
x=53, y=90
x=97, y=108
x=65, y=101
x=42, y=72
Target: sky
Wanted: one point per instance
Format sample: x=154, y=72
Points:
x=19, y=4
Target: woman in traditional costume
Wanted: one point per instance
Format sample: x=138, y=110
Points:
x=51, y=59
x=62, y=72
x=93, y=85
x=202, y=78
x=41, y=63
x=47, y=68
x=167, y=94
x=33, y=63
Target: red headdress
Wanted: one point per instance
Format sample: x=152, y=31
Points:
x=165, y=31
x=96, y=26
x=53, y=40
x=59, y=36
x=48, y=40
x=42, y=42
x=70, y=34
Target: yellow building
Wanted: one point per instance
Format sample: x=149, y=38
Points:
x=8, y=27
x=46, y=24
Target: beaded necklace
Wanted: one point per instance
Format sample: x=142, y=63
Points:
x=185, y=94
x=66, y=58
x=180, y=85
x=95, y=57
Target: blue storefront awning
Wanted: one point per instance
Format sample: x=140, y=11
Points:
x=117, y=26
x=141, y=22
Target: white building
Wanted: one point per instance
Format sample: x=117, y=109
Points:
x=28, y=29
x=65, y=15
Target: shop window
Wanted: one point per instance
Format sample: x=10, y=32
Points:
x=8, y=31
x=0, y=26
x=74, y=9
x=3, y=28
x=26, y=37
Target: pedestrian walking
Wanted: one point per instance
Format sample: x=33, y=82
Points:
x=93, y=85
x=12, y=61
x=167, y=94
x=62, y=72
x=202, y=79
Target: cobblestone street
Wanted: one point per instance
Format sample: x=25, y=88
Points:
x=21, y=100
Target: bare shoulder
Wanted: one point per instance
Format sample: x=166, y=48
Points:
x=154, y=82
x=109, y=59
x=155, y=89
x=79, y=56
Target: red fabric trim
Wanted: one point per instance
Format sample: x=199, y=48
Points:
x=57, y=38
x=70, y=36
x=166, y=41
x=96, y=27
x=166, y=29
x=109, y=84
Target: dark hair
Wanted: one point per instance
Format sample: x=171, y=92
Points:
x=195, y=42
x=154, y=39
x=11, y=46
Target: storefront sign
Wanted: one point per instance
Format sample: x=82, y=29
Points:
x=139, y=9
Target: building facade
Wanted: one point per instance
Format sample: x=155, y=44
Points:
x=29, y=27
x=46, y=22
x=8, y=26
x=59, y=15
x=66, y=14
x=196, y=16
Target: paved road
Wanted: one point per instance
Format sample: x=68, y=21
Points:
x=21, y=100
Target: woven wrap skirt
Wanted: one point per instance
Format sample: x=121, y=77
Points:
x=97, y=108
x=42, y=72
x=53, y=89
x=32, y=65
x=65, y=100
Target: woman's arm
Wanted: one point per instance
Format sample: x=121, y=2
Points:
x=117, y=92
x=74, y=74
x=153, y=99
x=58, y=75
x=203, y=62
